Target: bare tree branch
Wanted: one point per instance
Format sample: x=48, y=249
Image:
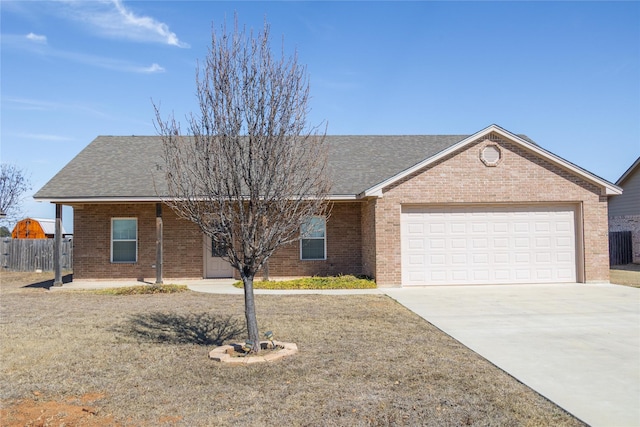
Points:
x=249, y=170
x=13, y=185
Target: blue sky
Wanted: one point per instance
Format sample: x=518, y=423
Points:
x=567, y=74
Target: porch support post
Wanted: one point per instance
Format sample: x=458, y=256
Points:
x=158, y=243
x=57, y=247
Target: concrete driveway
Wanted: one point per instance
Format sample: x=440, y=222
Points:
x=576, y=344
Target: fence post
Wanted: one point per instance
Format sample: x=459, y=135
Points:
x=57, y=247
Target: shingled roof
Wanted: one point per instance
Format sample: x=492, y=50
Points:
x=126, y=167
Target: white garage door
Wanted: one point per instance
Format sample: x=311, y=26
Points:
x=472, y=245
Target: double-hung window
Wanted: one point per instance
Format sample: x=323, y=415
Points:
x=313, y=241
x=124, y=240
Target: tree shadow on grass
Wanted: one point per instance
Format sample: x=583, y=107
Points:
x=194, y=328
x=47, y=284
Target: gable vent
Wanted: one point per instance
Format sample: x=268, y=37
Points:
x=490, y=155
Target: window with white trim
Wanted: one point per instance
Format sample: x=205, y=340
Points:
x=313, y=242
x=124, y=240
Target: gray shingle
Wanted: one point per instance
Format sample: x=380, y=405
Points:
x=125, y=166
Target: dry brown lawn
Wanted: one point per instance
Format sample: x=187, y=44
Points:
x=78, y=358
x=625, y=275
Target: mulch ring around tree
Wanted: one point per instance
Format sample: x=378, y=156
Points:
x=238, y=354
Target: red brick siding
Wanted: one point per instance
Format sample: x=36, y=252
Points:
x=92, y=243
x=183, y=245
x=344, y=242
x=369, y=238
x=462, y=178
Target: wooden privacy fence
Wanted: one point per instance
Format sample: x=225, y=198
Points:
x=620, y=248
x=34, y=254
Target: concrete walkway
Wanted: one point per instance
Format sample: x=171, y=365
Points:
x=576, y=344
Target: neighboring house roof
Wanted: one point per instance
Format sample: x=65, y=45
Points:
x=128, y=168
x=48, y=225
x=628, y=204
x=629, y=172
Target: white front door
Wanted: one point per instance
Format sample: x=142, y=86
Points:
x=214, y=265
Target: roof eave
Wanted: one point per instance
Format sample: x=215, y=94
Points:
x=155, y=199
x=84, y=200
x=628, y=172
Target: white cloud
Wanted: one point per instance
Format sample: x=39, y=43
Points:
x=112, y=18
x=44, y=137
x=29, y=104
x=10, y=41
x=154, y=68
x=107, y=63
x=146, y=24
x=37, y=38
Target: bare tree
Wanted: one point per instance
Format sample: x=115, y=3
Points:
x=250, y=171
x=13, y=185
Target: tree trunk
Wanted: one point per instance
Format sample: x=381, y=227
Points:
x=250, y=312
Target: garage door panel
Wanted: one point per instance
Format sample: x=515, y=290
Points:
x=459, y=259
x=543, y=258
x=488, y=245
x=418, y=260
x=459, y=275
x=437, y=228
x=437, y=259
x=542, y=227
x=500, y=243
x=416, y=244
x=480, y=243
x=500, y=227
x=481, y=275
x=563, y=257
x=482, y=258
x=566, y=274
x=458, y=243
x=543, y=274
x=543, y=243
x=437, y=243
x=501, y=258
x=438, y=276
x=501, y=276
x=458, y=228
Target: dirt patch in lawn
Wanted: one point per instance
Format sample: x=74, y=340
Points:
x=363, y=360
x=628, y=275
x=72, y=412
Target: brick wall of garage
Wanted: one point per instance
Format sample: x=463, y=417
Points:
x=368, y=222
x=520, y=177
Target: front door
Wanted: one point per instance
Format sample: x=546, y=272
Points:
x=214, y=265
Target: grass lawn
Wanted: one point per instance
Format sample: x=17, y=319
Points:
x=80, y=358
x=625, y=275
